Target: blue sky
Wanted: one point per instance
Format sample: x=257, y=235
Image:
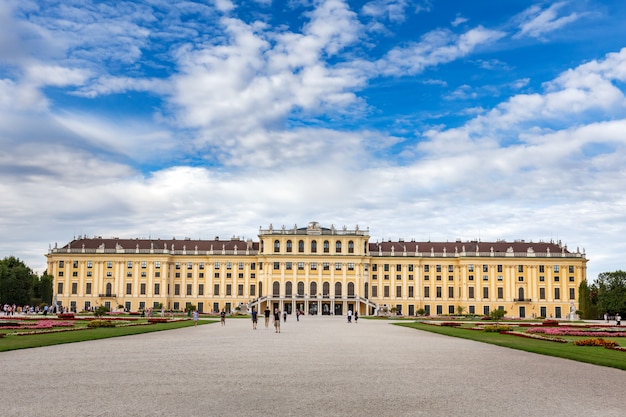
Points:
x=431, y=119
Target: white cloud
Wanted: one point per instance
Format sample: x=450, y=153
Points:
x=436, y=47
x=535, y=22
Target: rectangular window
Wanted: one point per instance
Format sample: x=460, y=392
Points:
x=200, y=289
x=288, y=266
x=157, y=288
x=374, y=291
x=252, y=290
x=300, y=266
x=486, y=310
x=201, y=266
x=398, y=291
x=556, y=269
x=411, y=268
x=326, y=266
x=189, y=289
x=470, y=292
x=129, y=274
x=410, y=277
x=350, y=266
x=470, y=277
x=229, y=289
x=386, y=291
x=411, y=291
x=74, y=273
x=557, y=293
x=240, y=275
x=74, y=288
x=276, y=266
x=426, y=277
x=374, y=267
x=176, y=289
x=472, y=309
x=500, y=293
x=386, y=267
x=217, y=275
x=542, y=294
x=520, y=278
x=374, y=277
x=229, y=265
x=386, y=276
x=439, y=309
x=338, y=266
x=89, y=264
x=485, y=268
x=129, y=264
x=142, y=288
x=499, y=268
x=176, y=305
x=542, y=269
x=398, y=277
x=450, y=268
x=450, y=277
x=398, y=267
x=486, y=293
x=313, y=266
x=90, y=274
x=88, y=288
x=450, y=292
x=177, y=265
x=572, y=293
x=240, y=290
x=216, y=289
x=240, y=265
x=556, y=278
x=109, y=264
x=129, y=288
x=438, y=268
x=520, y=268
x=426, y=292
x=570, y=269
x=470, y=268
x=216, y=265
x=229, y=275
x=485, y=277
x=189, y=274
x=450, y=309
x=438, y=292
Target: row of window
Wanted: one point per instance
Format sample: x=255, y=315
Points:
x=325, y=246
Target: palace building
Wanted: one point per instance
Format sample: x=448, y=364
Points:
x=319, y=270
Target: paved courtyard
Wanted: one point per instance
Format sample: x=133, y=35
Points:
x=320, y=366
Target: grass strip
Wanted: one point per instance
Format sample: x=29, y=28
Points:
x=49, y=339
x=594, y=355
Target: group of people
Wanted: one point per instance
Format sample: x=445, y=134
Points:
x=12, y=309
x=267, y=313
x=355, y=315
x=618, y=318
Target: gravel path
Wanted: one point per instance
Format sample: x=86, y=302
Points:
x=320, y=366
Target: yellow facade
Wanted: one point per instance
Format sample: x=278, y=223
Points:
x=319, y=270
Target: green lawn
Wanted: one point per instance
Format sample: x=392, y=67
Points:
x=595, y=355
x=13, y=342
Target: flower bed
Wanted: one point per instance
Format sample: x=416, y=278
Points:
x=569, y=331
x=535, y=336
x=609, y=344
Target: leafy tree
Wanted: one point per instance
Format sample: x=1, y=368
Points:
x=586, y=303
x=42, y=289
x=611, y=287
x=497, y=314
x=100, y=311
x=16, y=282
x=459, y=310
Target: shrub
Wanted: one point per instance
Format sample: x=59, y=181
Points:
x=550, y=323
x=609, y=344
x=101, y=323
x=65, y=316
x=497, y=328
x=450, y=324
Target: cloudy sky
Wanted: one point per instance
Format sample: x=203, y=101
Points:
x=420, y=119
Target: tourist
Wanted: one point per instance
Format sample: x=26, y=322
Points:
x=254, y=318
x=276, y=320
x=618, y=319
x=223, y=317
x=606, y=317
x=297, y=315
x=349, y=316
x=285, y=316
x=267, y=312
x=356, y=316
x=195, y=317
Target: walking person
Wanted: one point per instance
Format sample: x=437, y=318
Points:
x=285, y=316
x=606, y=317
x=618, y=319
x=297, y=315
x=267, y=312
x=223, y=317
x=356, y=316
x=254, y=318
x=276, y=321
x=349, y=316
x=195, y=318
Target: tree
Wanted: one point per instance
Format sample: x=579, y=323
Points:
x=611, y=288
x=459, y=310
x=497, y=314
x=586, y=302
x=42, y=289
x=16, y=282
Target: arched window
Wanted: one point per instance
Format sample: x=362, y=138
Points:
x=109, y=290
x=288, y=287
x=326, y=289
x=276, y=246
x=276, y=289
x=338, y=290
x=351, y=289
x=326, y=246
x=338, y=246
x=313, y=289
x=350, y=247
x=300, y=289
x=301, y=246
x=314, y=246
x=521, y=294
x=289, y=246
